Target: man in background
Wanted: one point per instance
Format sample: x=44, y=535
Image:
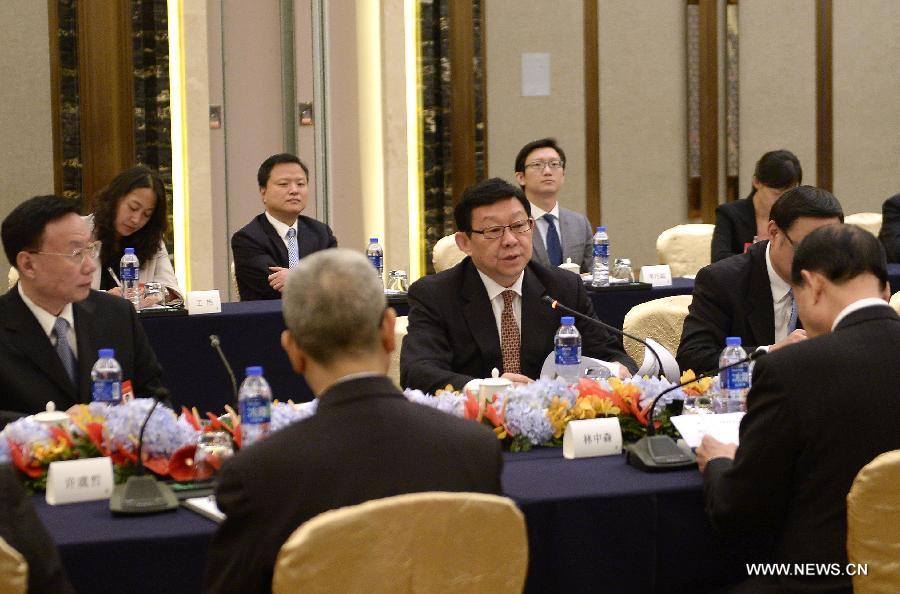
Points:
x=275, y=241
x=889, y=235
x=561, y=233
x=817, y=412
x=366, y=441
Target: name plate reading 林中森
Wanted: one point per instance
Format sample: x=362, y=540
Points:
x=658, y=276
x=592, y=437
x=201, y=302
x=72, y=481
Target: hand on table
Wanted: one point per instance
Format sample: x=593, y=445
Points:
x=517, y=378
x=278, y=277
x=711, y=448
x=117, y=291
x=794, y=337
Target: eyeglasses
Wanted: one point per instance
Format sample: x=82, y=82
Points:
x=553, y=164
x=77, y=256
x=496, y=231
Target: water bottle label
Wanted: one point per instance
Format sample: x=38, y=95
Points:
x=376, y=261
x=108, y=391
x=568, y=354
x=128, y=273
x=737, y=377
x=601, y=250
x=255, y=410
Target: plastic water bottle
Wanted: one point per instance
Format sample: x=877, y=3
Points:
x=734, y=382
x=567, y=346
x=129, y=274
x=106, y=378
x=255, y=404
x=375, y=254
x=600, y=268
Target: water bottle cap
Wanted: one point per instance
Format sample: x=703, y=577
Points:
x=129, y=250
x=256, y=370
x=567, y=320
x=601, y=229
x=373, y=240
x=107, y=353
x=733, y=341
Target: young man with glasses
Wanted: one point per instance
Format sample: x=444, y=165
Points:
x=52, y=323
x=561, y=233
x=486, y=311
x=749, y=294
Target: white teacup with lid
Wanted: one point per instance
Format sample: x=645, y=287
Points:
x=50, y=416
x=487, y=387
x=570, y=266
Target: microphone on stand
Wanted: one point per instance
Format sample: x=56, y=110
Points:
x=653, y=453
x=143, y=494
x=555, y=304
x=216, y=344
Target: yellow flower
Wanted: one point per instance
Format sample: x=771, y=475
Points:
x=49, y=452
x=698, y=387
x=559, y=414
x=606, y=408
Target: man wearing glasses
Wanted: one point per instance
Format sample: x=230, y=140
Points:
x=561, y=233
x=486, y=311
x=52, y=323
x=749, y=294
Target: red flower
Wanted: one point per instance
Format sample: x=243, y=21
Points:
x=95, y=434
x=60, y=434
x=190, y=418
x=159, y=466
x=183, y=468
x=18, y=459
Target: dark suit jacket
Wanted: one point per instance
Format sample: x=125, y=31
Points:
x=23, y=530
x=735, y=226
x=817, y=413
x=31, y=372
x=366, y=441
x=890, y=228
x=731, y=298
x=577, y=240
x=257, y=246
x=453, y=337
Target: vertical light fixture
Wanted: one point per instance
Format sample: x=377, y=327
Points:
x=177, y=108
x=371, y=116
x=414, y=184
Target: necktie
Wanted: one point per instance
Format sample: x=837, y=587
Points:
x=61, y=330
x=792, y=321
x=293, y=252
x=510, y=341
x=554, y=248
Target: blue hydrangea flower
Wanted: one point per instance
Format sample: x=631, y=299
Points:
x=526, y=409
x=449, y=402
x=24, y=432
x=283, y=414
x=163, y=435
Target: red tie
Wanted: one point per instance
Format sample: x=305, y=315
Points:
x=510, y=341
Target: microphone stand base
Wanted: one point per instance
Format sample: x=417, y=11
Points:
x=142, y=495
x=658, y=453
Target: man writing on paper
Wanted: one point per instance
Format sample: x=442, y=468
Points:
x=817, y=412
x=748, y=295
x=486, y=311
x=366, y=441
x=52, y=323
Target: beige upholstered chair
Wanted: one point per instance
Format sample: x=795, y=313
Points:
x=399, y=334
x=660, y=319
x=685, y=248
x=895, y=301
x=873, y=525
x=232, y=277
x=870, y=221
x=419, y=542
x=13, y=277
x=446, y=254
x=13, y=570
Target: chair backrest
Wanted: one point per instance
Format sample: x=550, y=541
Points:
x=418, y=542
x=13, y=277
x=685, y=248
x=870, y=221
x=13, y=570
x=446, y=254
x=660, y=319
x=235, y=294
x=873, y=525
x=399, y=335
x=895, y=301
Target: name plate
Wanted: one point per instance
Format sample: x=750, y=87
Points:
x=72, y=481
x=658, y=276
x=592, y=437
x=201, y=302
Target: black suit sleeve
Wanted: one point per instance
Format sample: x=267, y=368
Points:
x=251, y=267
x=426, y=358
x=752, y=493
x=147, y=371
x=596, y=341
x=890, y=228
x=706, y=326
x=723, y=236
x=23, y=530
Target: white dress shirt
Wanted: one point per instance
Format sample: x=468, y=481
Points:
x=495, y=294
x=537, y=213
x=47, y=320
x=781, y=299
x=281, y=229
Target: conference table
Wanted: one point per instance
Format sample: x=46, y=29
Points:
x=594, y=525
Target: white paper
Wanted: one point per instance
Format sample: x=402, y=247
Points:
x=206, y=507
x=536, y=75
x=592, y=437
x=650, y=367
x=72, y=481
x=724, y=427
x=201, y=302
x=658, y=276
x=548, y=369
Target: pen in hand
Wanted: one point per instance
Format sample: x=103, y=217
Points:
x=112, y=273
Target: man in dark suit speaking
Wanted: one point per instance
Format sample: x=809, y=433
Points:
x=486, y=311
x=366, y=441
x=275, y=241
x=52, y=323
x=817, y=412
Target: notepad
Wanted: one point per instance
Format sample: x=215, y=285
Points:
x=206, y=507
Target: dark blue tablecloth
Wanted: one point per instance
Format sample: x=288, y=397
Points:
x=594, y=525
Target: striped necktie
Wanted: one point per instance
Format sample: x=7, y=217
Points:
x=61, y=332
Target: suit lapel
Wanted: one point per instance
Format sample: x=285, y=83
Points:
x=275, y=242
x=538, y=251
x=87, y=347
x=479, y=316
x=536, y=323
x=306, y=243
x=565, y=227
x=761, y=311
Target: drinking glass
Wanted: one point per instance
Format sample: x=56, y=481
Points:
x=213, y=448
x=398, y=281
x=153, y=294
x=622, y=272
